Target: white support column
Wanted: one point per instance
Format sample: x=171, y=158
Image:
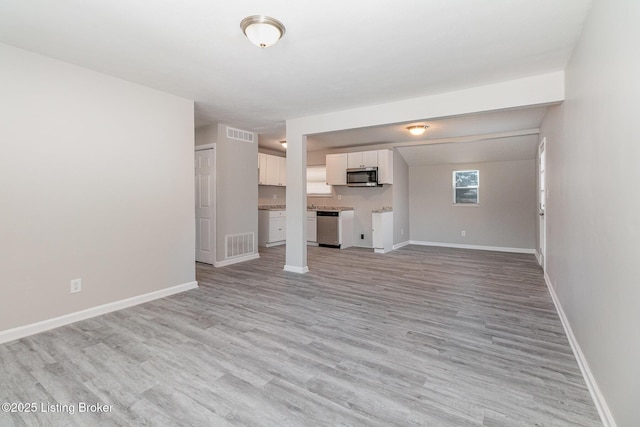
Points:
x=296, y=250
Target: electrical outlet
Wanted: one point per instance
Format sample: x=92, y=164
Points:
x=362, y=236
x=75, y=286
x=275, y=196
x=402, y=231
x=339, y=196
x=463, y=233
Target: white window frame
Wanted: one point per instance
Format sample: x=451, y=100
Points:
x=477, y=187
x=319, y=182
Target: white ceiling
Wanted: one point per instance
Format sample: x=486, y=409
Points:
x=335, y=55
x=494, y=136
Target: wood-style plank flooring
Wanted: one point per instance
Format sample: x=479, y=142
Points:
x=421, y=336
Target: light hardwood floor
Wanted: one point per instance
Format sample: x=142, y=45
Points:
x=420, y=336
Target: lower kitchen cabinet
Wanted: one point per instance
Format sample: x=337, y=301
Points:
x=272, y=228
x=382, y=232
x=312, y=229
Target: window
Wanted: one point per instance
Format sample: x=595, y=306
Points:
x=317, y=181
x=465, y=187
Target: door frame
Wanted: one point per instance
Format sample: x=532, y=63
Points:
x=542, y=197
x=213, y=195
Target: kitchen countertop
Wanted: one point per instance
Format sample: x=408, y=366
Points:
x=329, y=208
x=309, y=208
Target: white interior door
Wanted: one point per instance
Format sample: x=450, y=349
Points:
x=205, y=205
x=542, y=200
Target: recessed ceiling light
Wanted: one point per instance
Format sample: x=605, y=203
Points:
x=263, y=31
x=417, y=130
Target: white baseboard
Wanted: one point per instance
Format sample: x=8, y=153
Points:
x=598, y=399
x=381, y=251
x=294, y=269
x=476, y=247
x=537, y=254
x=401, y=245
x=236, y=260
x=45, y=325
x=272, y=244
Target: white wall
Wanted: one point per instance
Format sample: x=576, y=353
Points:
x=505, y=216
x=593, y=219
x=96, y=178
x=401, y=222
x=207, y=134
x=272, y=195
x=236, y=189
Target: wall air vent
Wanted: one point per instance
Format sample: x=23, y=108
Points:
x=239, y=135
x=239, y=245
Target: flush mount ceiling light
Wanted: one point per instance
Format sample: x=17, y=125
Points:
x=263, y=31
x=417, y=130
x=284, y=144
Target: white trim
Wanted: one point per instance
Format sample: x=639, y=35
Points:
x=401, y=245
x=537, y=254
x=363, y=246
x=598, y=399
x=205, y=147
x=236, y=260
x=272, y=244
x=542, y=220
x=477, y=247
x=381, y=251
x=45, y=325
x=294, y=269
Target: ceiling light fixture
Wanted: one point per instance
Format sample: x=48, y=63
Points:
x=263, y=31
x=417, y=130
x=284, y=144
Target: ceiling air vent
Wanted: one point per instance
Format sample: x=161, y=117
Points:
x=240, y=135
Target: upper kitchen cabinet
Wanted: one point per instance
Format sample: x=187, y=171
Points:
x=385, y=166
x=362, y=159
x=272, y=170
x=337, y=165
x=262, y=169
x=337, y=169
x=282, y=171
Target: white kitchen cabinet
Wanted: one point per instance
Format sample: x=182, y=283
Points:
x=385, y=166
x=337, y=169
x=262, y=169
x=362, y=159
x=312, y=227
x=282, y=171
x=382, y=232
x=337, y=165
x=272, y=227
x=275, y=170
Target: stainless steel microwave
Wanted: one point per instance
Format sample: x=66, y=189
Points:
x=362, y=177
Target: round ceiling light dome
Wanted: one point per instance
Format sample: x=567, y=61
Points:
x=417, y=129
x=261, y=30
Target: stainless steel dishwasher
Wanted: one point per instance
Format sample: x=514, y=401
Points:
x=329, y=229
